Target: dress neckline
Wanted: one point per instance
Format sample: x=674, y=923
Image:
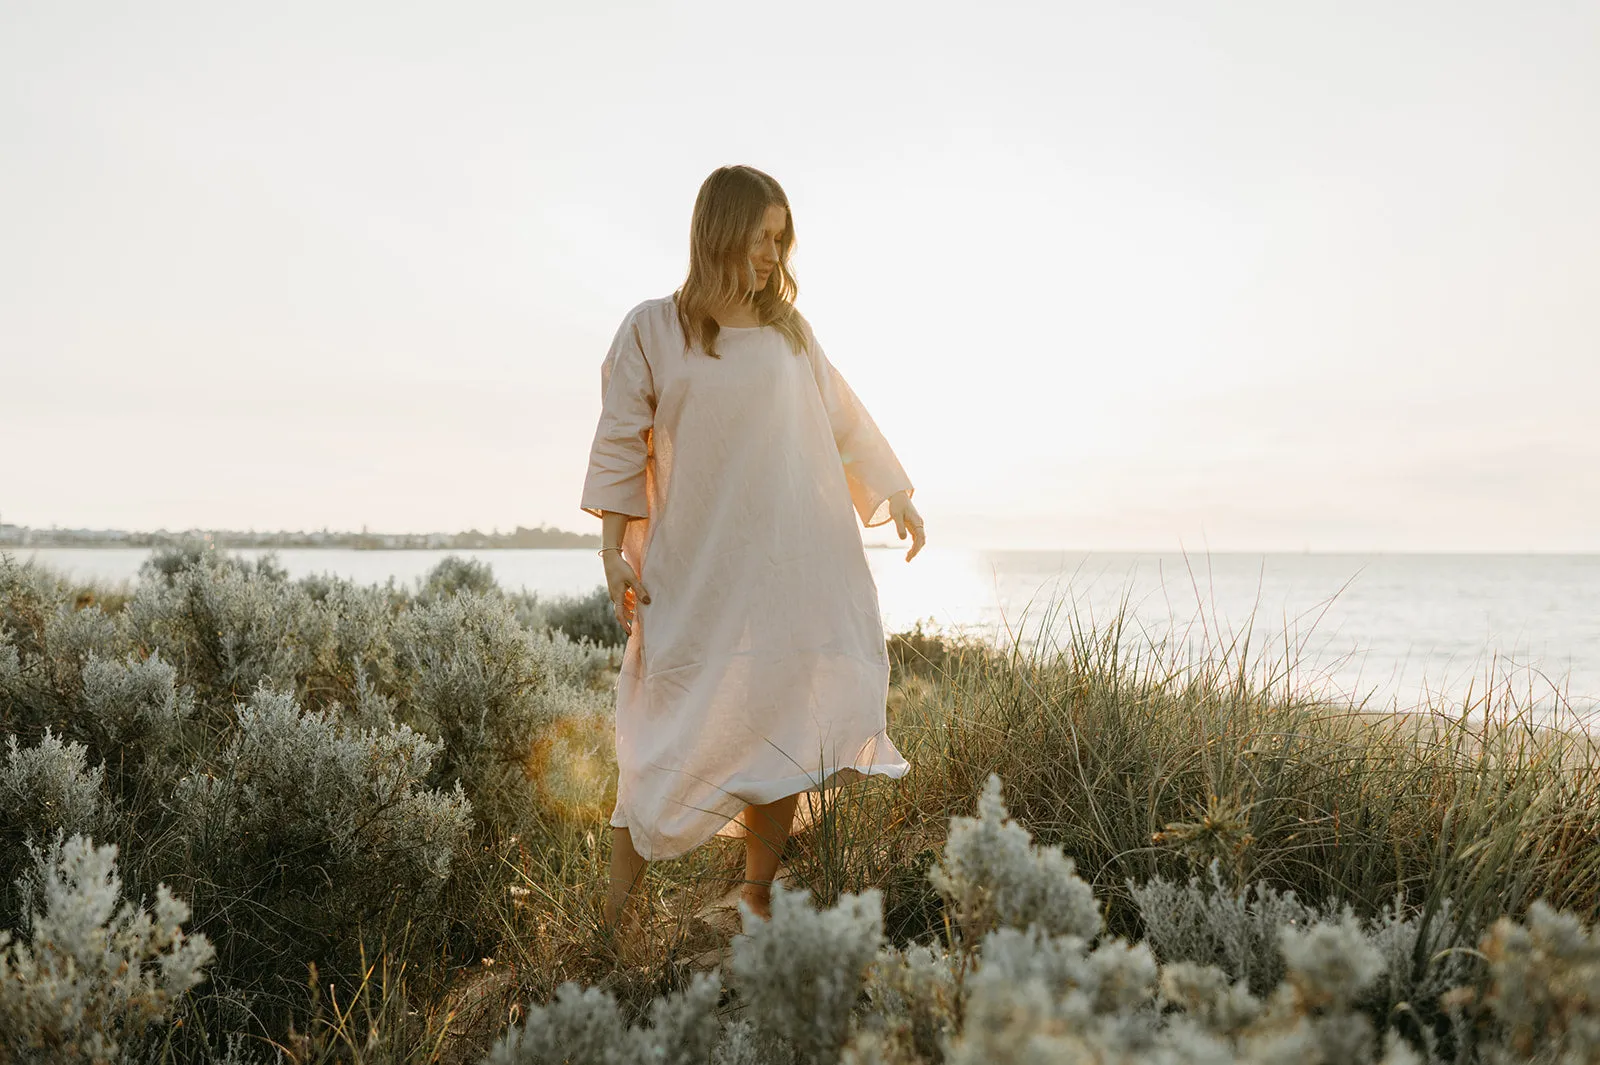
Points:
x=673, y=299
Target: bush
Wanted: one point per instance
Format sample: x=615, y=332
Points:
x=305, y=835
x=587, y=617
x=488, y=689
x=44, y=790
x=584, y=1026
x=992, y=874
x=90, y=973
x=44, y=641
x=132, y=714
x=454, y=575
x=229, y=627
x=802, y=971
x=1214, y=925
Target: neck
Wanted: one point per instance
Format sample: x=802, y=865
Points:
x=741, y=313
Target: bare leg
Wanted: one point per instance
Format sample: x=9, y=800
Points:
x=627, y=873
x=767, y=830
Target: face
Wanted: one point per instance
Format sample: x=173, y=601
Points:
x=764, y=252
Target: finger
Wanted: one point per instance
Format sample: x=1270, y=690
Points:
x=644, y=596
x=916, y=543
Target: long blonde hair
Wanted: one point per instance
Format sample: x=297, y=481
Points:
x=728, y=215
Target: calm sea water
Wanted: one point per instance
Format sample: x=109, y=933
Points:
x=1389, y=629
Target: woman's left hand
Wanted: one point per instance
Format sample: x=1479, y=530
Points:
x=905, y=516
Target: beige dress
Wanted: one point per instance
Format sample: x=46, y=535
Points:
x=757, y=670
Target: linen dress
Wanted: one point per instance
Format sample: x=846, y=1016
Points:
x=758, y=668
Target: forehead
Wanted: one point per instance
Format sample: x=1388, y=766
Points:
x=775, y=218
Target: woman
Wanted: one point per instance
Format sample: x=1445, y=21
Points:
x=729, y=466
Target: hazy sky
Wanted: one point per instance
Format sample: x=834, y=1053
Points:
x=1111, y=275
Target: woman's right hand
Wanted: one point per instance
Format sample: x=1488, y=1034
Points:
x=625, y=588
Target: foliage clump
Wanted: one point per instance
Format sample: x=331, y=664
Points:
x=303, y=829
x=44, y=790
x=992, y=875
x=90, y=972
x=295, y=756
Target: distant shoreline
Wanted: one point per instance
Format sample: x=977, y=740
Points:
x=21, y=536
x=230, y=545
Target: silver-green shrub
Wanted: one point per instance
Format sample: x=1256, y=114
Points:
x=744, y=1043
x=453, y=575
x=1212, y=924
x=90, y=972
x=135, y=711
x=1040, y=997
x=584, y=1026
x=1240, y=932
x=802, y=971
x=486, y=688
x=72, y=635
x=1424, y=955
x=361, y=635
x=50, y=787
x=578, y=1026
x=229, y=627
x=586, y=617
x=45, y=790
x=912, y=1004
x=1330, y=963
x=303, y=827
x=135, y=701
x=50, y=638
x=10, y=664
x=1544, y=988
x=1218, y=1003
x=992, y=874
x=568, y=664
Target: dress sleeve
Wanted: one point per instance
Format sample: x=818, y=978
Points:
x=871, y=469
x=616, y=477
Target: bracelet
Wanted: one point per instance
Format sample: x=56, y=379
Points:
x=603, y=550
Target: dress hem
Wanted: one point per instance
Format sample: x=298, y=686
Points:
x=799, y=784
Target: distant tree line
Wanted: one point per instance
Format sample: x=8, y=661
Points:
x=522, y=537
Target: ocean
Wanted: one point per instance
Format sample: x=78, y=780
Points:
x=1385, y=630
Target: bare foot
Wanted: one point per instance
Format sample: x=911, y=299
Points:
x=757, y=894
x=625, y=941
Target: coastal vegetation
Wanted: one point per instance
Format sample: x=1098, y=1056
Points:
x=245, y=818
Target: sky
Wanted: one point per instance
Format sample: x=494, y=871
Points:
x=1136, y=276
